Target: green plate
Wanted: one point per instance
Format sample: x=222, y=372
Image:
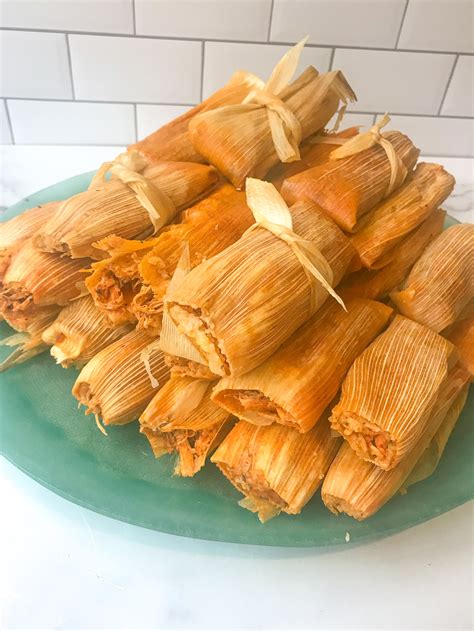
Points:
x=44, y=434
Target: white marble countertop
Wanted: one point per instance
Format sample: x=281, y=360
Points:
x=64, y=567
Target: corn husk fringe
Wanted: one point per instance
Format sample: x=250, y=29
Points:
x=441, y=283
x=275, y=467
x=359, y=488
x=389, y=391
x=296, y=384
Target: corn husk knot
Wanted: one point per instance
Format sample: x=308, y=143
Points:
x=126, y=168
x=272, y=214
x=368, y=139
x=284, y=126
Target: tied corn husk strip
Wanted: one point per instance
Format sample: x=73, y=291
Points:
x=377, y=284
x=183, y=403
x=80, y=332
x=248, y=139
x=296, y=384
x=275, y=467
x=390, y=390
x=441, y=283
x=126, y=168
x=130, y=284
x=461, y=334
x=191, y=447
x=115, y=385
x=347, y=188
x=28, y=343
x=272, y=213
x=401, y=213
x=366, y=140
x=238, y=307
x=15, y=231
x=360, y=488
x=113, y=208
x=172, y=142
x=36, y=278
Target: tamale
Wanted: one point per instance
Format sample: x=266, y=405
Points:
x=347, y=188
x=441, y=283
x=402, y=212
x=124, y=206
x=118, y=383
x=238, y=307
x=377, y=284
x=182, y=367
x=15, y=231
x=130, y=285
x=275, y=467
x=28, y=342
x=461, y=334
x=79, y=332
x=389, y=391
x=239, y=139
x=172, y=142
x=296, y=384
x=359, y=488
x=36, y=278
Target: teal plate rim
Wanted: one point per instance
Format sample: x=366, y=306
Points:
x=57, y=446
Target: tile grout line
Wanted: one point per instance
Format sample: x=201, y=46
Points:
x=135, y=117
x=235, y=41
x=203, y=54
x=331, y=59
x=269, y=32
x=9, y=121
x=134, y=17
x=69, y=61
x=401, y=25
x=448, y=83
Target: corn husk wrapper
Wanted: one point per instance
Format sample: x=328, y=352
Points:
x=182, y=367
x=80, y=332
x=15, y=231
x=172, y=143
x=130, y=285
x=246, y=140
x=275, y=467
x=238, y=307
x=378, y=283
x=461, y=334
x=359, y=488
x=39, y=279
x=28, y=342
x=401, y=213
x=346, y=189
x=133, y=204
x=390, y=390
x=441, y=283
x=296, y=384
x=118, y=383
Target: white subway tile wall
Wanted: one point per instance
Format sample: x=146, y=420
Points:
x=107, y=71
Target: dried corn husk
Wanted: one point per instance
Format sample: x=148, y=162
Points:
x=360, y=488
x=172, y=142
x=296, y=384
x=238, y=307
x=401, y=213
x=40, y=279
x=130, y=285
x=276, y=468
x=117, y=206
x=441, y=283
x=118, y=383
x=28, y=342
x=191, y=447
x=377, y=284
x=348, y=188
x=248, y=139
x=461, y=334
x=79, y=332
x=15, y=231
x=389, y=391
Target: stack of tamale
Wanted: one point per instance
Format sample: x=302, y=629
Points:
x=311, y=330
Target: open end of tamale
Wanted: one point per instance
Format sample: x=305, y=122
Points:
x=182, y=367
x=253, y=406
